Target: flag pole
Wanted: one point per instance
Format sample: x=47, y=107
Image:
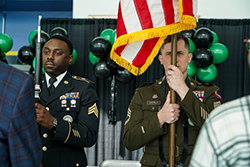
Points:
x=38, y=69
x=172, y=100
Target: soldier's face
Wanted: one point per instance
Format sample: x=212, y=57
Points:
x=183, y=56
x=56, y=57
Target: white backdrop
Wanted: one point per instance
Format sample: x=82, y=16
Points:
x=234, y=9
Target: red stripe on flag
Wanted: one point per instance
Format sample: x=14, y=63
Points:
x=121, y=28
x=142, y=10
x=188, y=7
x=144, y=52
x=119, y=50
x=168, y=11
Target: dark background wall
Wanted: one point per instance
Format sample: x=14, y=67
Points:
x=233, y=74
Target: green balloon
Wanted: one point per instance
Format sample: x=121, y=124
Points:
x=113, y=37
x=75, y=56
x=248, y=46
x=219, y=52
x=6, y=43
x=215, y=38
x=192, y=47
x=34, y=65
x=207, y=74
x=107, y=34
x=192, y=68
x=31, y=36
x=93, y=59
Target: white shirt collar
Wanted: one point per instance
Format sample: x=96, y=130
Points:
x=58, y=79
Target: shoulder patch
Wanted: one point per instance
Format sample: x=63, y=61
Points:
x=80, y=78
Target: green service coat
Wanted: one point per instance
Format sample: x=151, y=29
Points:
x=142, y=126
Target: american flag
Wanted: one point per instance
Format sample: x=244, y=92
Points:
x=142, y=26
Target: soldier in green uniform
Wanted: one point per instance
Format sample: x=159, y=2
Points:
x=150, y=112
x=68, y=114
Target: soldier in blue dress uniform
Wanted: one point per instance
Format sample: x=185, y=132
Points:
x=68, y=114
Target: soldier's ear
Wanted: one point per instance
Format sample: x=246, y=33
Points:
x=70, y=59
x=190, y=56
x=160, y=57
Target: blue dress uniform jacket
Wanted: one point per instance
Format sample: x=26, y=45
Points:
x=20, y=144
x=142, y=126
x=74, y=104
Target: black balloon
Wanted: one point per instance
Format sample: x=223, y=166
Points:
x=189, y=33
x=113, y=64
x=124, y=76
x=44, y=37
x=203, y=37
x=26, y=54
x=59, y=31
x=102, y=69
x=203, y=58
x=100, y=47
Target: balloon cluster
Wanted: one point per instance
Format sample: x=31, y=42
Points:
x=247, y=44
x=26, y=54
x=99, y=56
x=208, y=54
x=6, y=44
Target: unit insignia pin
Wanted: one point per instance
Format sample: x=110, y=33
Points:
x=68, y=118
x=73, y=103
x=154, y=96
x=64, y=103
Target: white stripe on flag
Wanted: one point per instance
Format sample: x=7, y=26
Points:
x=157, y=13
x=195, y=5
x=131, y=50
x=176, y=10
x=130, y=17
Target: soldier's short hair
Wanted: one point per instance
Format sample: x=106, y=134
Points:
x=65, y=39
x=179, y=37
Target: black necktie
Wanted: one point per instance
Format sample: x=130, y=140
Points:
x=51, y=87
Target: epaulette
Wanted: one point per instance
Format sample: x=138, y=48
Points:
x=146, y=84
x=80, y=78
x=195, y=82
x=206, y=84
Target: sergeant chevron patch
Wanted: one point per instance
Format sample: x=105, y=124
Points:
x=128, y=116
x=76, y=133
x=93, y=109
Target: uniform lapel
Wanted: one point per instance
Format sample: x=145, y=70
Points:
x=45, y=91
x=63, y=87
x=158, y=84
x=161, y=87
x=193, y=86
